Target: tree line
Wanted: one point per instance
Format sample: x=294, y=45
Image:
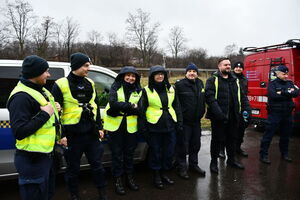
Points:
x=23, y=33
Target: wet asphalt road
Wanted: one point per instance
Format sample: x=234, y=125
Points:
x=278, y=181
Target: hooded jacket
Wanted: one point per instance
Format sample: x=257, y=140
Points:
x=125, y=107
x=165, y=123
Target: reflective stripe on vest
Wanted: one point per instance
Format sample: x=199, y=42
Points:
x=113, y=123
x=71, y=110
x=154, y=110
x=44, y=138
x=239, y=91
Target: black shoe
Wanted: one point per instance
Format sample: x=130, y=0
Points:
x=157, y=180
x=241, y=152
x=198, y=170
x=102, y=194
x=182, y=173
x=214, y=167
x=286, y=158
x=235, y=164
x=166, y=179
x=222, y=154
x=74, y=196
x=130, y=182
x=119, y=188
x=265, y=160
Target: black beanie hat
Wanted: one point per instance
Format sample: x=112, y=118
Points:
x=191, y=66
x=78, y=59
x=238, y=64
x=33, y=66
x=282, y=68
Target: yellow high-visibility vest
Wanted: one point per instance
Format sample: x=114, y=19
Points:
x=239, y=91
x=155, y=109
x=113, y=123
x=71, y=109
x=43, y=139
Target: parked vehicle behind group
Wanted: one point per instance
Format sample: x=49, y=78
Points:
x=10, y=71
x=259, y=70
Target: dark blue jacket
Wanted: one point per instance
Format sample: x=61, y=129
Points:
x=281, y=102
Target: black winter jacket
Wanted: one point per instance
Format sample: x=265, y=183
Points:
x=281, y=102
x=218, y=109
x=192, y=99
x=25, y=114
x=243, y=82
x=81, y=89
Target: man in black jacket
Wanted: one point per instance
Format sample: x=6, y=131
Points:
x=281, y=92
x=238, y=69
x=225, y=100
x=190, y=91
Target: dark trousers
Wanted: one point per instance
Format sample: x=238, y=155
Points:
x=122, y=145
x=188, y=142
x=93, y=150
x=283, y=121
x=226, y=134
x=36, y=180
x=241, y=132
x=161, y=150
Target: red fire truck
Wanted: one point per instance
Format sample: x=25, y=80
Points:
x=259, y=69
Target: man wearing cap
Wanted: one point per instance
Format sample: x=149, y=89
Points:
x=238, y=69
x=225, y=100
x=81, y=124
x=190, y=91
x=281, y=92
x=33, y=119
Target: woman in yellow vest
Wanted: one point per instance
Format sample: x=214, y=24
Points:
x=120, y=121
x=159, y=121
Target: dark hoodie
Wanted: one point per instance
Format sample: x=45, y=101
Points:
x=165, y=123
x=117, y=107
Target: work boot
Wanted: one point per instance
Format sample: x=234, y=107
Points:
x=198, y=170
x=166, y=179
x=157, y=180
x=222, y=154
x=235, y=164
x=119, y=188
x=74, y=196
x=182, y=173
x=102, y=193
x=265, y=160
x=214, y=167
x=130, y=182
x=241, y=152
x=286, y=158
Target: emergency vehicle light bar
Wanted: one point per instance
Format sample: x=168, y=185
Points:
x=293, y=43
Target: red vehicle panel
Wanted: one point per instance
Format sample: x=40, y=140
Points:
x=259, y=69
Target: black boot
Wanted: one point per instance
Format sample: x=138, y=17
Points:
x=74, y=196
x=131, y=182
x=214, y=167
x=166, y=179
x=157, y=180
x=241, y=152
x=102, y=193
x=119, y=186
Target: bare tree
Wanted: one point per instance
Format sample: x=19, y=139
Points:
x=70, y=33
x=4, y=35
x=20, y=15
x=42, y=34
x=142, y=34
x=94, y=39
x=230, y=50
x=176, y=41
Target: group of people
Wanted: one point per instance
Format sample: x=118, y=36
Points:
x=167, y=116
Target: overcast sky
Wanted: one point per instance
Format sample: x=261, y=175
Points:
x=209, y=24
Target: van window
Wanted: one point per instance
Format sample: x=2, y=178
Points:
x=9, y=77
x=103, y=83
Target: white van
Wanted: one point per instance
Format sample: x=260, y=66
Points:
x=10, y=72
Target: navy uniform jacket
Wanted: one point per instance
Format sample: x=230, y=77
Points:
x=281, y=102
